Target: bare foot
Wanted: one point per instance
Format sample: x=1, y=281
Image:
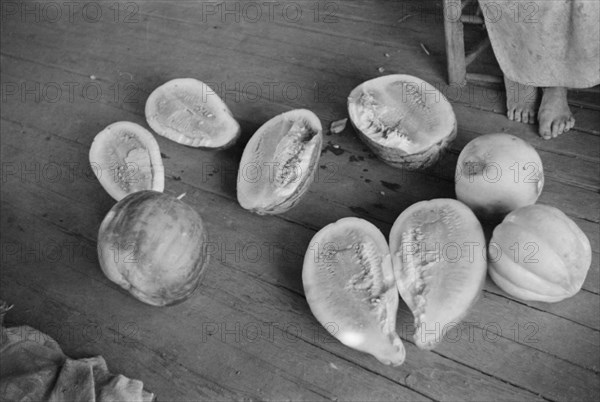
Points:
x=522, y=101
x=555, y=116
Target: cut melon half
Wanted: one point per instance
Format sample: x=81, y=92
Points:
x=190, y=113
x=126, y=159
x=405, y=121
x=350, y=287
x=438, y=253
x=279, y=162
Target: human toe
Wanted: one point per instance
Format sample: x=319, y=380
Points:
x=545, y=132
x=517, y=115
x=510, y=113
x=557, y=128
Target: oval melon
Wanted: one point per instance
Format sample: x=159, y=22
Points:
x=279, y=162
x=125, y=158
x=438, y=253
x=349, y=285
x=405, y=121
x=189, y=112
x=498, y=173
x=538, y=253
x=153, y=245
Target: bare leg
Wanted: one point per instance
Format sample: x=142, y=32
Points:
x=555, y=116
x=522, y=101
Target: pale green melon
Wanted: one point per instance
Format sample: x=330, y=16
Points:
x=279, y=162
x=405, y=121
x=350, y=288
x=438, y=253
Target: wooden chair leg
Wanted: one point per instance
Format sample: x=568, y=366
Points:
x=455, y=45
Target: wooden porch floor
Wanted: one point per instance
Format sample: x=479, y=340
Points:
x=247, y=333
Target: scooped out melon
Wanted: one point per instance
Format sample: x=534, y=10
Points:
x=438, y=250
x=279, y=162
x=538, y=253
x=153, y=245
x=405, y=121
x=125, y=158
x=189, y=112
x=349, y=285
x=498, y=173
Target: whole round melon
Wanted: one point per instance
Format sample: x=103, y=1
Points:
x=125, y=158
x=279, y=162
x=349, y=285
x=405, y=121
x=191, y=113
x=438, y=254
x=153, y=245
x=538, y=253
x=498, y=173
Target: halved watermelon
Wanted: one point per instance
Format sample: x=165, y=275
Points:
x=125, y=157
x=190, y=113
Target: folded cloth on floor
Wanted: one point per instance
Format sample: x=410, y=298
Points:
x=34, y=368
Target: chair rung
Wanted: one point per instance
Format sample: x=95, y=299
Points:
x=489, y=79
x=471, y=19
